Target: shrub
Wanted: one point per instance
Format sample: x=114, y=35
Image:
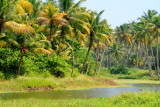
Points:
x=33, y=64
x=40, y=63
x=9, y=61
x=119, y=70
x=79, y=59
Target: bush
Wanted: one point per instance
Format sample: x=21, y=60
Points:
x=41, y=63
x=119, y=70
x=33, y=64
x=9, y=61
x=79, y=59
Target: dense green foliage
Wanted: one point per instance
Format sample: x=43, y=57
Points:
x=62, y=38
x=8, y=63
x=119, y=70
x=33, y=64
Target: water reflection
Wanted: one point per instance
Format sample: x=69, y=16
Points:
x=89, y=93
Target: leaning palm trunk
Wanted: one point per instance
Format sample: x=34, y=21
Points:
x=72, y=63
x=149, y=62
x=89, y=48
x=20, y=62
x=88, y=68
x=137, y=57
x=97, y=57
x=1, y=23
x=150, y=69
x=51, y=29
x=146, y=55
x=100, y=64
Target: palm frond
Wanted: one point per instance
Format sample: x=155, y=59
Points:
x=18, y=28
x=41, y=51
x=19, y=10
x=2, y=43
x=26, y=5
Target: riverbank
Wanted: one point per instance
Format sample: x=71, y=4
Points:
x=143, y=99
x=52, y=83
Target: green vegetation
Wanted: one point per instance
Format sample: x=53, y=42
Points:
x=63, y=39
x=144, y=99
x=61, y=45
x=41, y=83
x=126, y=73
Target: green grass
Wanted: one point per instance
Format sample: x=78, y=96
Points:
x=41, y=83
x=79, y=82
x=144, y=99
x=121, y=81
x=134, y=73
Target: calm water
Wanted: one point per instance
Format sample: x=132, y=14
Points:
x=89, y=93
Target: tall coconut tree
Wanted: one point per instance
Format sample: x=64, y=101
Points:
x=95, y=32
x=116, y=52
x=20, y=38
x=144, y=34
x=156, y=31
x=100, y=44
x=50, y=16
x=124, y=34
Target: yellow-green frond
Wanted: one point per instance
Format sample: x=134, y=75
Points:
x=2, y=43
x=19, y=10
x=26, y=5
x=2, y=35
x=41, y=51
x=14, y=43
x=18, y=28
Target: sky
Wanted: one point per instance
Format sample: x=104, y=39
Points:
x=118, y=12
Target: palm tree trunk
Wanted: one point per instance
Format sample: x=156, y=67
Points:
x=1, y=22
x=89, y=48
x=100, y=64
x=51, y=28
x=88, y=68
x=157, y=57
x=107, y=61
x=146, y=55
x=150, y=68
x=20, y=62
x=137, y=56
x=97, y=54
x=72, y=62
x=153, y=55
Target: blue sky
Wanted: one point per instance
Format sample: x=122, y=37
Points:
x=118, y=12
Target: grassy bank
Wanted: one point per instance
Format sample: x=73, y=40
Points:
x=132, y=73
x=53, y=83
x=49, y=83
x=121, y=81
x=144, y=99
x=41, y=82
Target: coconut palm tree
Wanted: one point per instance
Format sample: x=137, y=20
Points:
x=95, y=32
x=50, y=16
x=145, y=35
x=156, y=32
x=20, y=38
x=116, y=52
x=24, y=38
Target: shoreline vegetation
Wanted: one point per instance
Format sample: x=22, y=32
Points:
x=52, y=83
x=25, y=84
